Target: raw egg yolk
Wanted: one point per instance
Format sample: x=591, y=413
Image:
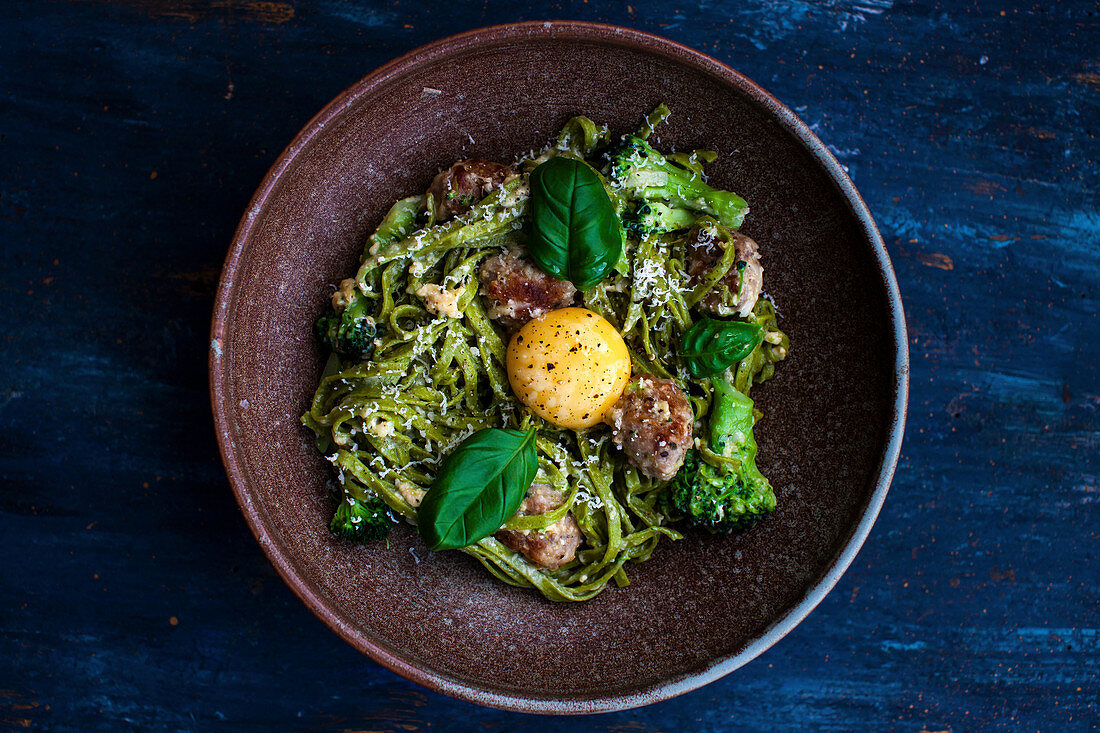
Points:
x=569, y=367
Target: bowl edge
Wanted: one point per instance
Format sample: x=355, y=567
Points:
x=818, y=589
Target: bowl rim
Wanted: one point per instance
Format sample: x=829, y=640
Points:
x=636, y=40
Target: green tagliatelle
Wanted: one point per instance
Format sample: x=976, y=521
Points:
x=387, y=422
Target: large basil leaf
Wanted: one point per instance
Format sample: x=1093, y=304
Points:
x=575, y=233
x=480, y=485
x=712, y=346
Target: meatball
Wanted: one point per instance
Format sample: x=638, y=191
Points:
x=744, y=280
x=652, y=424
x=552, y=547
x=455, y=190
x=518, y=291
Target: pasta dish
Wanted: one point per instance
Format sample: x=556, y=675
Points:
x=547, y=365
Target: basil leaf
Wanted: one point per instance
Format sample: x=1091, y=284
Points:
x=712, y=346
x=575, y=233
x=480, y=485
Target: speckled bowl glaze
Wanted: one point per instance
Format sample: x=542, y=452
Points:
x=834, y=412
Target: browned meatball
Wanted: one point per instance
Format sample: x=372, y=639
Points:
x=552, y=547
x=518, y=291
x=465, y=183
x=652, y=424
x=744, y=280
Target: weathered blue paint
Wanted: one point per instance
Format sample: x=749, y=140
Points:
x=132, y=136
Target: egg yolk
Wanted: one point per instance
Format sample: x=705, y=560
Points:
x=569, y=367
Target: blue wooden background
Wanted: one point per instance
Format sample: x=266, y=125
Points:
x=132, y=595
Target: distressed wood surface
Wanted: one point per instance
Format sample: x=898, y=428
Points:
x=131, y=137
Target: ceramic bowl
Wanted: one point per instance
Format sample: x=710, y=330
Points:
x=701, y=607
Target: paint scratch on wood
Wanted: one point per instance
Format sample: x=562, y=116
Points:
x=984, y=187
x=200, y=283
x=1040, y=133
x=936, y=259
x=1088, y=78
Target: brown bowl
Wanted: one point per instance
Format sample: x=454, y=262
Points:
x=834, y=412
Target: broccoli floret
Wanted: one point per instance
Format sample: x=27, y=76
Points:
x=646, y=175
x=657, y=218
x=350, y=333
x=360, y=521
x=722, y=489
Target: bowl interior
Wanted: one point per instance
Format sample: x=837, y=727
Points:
x=439, y=618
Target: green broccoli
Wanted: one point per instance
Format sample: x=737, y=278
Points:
x=350, y=333
x=719, y=486
x=644, y=174
x=360, y=521
x=657, y=218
